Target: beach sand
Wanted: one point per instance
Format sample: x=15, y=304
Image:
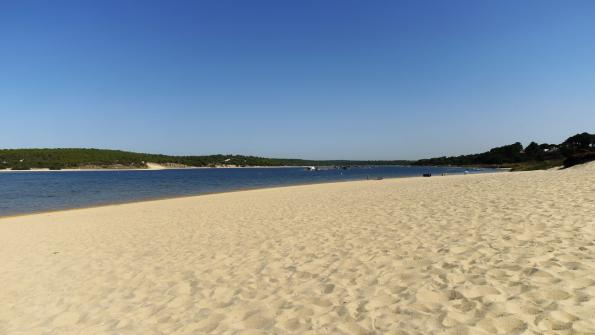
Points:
x=507, y=253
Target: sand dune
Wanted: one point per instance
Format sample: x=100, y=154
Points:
x=509, y=253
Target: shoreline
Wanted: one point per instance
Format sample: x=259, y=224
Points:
x=221, y=192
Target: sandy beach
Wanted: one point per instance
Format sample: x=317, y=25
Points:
x=507, y=253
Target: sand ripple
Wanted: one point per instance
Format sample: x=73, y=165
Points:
x=510, y=253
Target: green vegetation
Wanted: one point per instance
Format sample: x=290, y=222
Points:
x=577, y=149
x=55, y=159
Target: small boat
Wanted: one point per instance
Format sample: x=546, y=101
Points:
x=311, y=168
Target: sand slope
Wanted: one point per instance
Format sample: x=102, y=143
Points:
x=510, y=253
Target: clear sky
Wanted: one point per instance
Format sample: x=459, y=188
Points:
x=307, y=79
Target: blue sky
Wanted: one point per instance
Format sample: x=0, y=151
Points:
x=308, y=79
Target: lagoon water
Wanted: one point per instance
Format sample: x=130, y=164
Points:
x=29, y=192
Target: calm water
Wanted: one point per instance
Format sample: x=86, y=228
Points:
x=28, y=192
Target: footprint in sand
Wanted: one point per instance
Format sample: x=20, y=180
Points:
x=551, y=324
x=258, y=320
x=550, y=294
x=479, y=291
x=207, y=325
x=432, y=297
x=502, y=325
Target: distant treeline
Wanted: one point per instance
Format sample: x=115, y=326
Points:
x=25, y=159
x=576, y=149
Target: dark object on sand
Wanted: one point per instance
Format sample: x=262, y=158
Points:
x=379, y=178
x=427, y=175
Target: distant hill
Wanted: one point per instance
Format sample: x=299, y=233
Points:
x=577, y=149
x=56, y=159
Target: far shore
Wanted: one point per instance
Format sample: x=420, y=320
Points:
x=157, y=167
x=148, y=168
